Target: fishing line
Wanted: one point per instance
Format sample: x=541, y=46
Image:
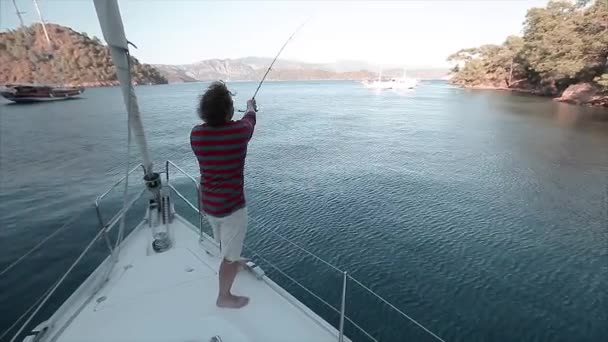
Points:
x=277, y=56
x=275, y=59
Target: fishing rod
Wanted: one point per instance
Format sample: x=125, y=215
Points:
x=277, y=56
x=275, y=59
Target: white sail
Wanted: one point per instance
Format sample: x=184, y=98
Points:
x=114, y=34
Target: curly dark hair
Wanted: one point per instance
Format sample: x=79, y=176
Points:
x=215, y=106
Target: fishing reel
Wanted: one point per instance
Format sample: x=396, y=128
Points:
x=153, y=182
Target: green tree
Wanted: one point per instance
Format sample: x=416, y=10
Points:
x=563, y=43
x=510, y=58
x=464, y=55
x=592, y=26
x=553, y=48
x=472, y=73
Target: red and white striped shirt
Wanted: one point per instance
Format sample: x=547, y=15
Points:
x=221, y=153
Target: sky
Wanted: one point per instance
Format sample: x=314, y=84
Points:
x=397, y=33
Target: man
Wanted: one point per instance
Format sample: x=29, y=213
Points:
x=220, y=145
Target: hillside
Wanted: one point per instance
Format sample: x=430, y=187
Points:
x=253, y=68
x=77, y=59
x=74, y=58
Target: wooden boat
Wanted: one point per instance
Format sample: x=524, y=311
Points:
x=24, y=93
x=27, y=93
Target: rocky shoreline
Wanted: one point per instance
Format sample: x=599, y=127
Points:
x=586, y=94
x=561, y=54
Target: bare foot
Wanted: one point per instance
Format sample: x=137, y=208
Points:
x=232, y=302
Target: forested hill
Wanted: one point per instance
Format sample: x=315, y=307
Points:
x=73, y=58
x=563, y=52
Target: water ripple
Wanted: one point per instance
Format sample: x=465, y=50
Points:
x=482, y=223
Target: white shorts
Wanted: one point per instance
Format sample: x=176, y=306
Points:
x=229, y=232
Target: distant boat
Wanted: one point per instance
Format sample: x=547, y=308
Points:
x=393, y=83
x=27, y=93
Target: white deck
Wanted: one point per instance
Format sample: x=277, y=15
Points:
x=171, y=296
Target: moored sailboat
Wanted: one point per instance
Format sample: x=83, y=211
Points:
x=402, y=83
x=27, y=93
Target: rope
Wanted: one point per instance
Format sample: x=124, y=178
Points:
x=54, y=288
x=403, y=314
x=39, y=244
x=276, y=57
x=24, y=314
x=396, y=309
x=310, y=292
x=351, y=277
x=119, y=238
x=40, y=302
x=297, y=246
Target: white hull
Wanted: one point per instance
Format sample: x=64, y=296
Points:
x=40, y=99
x=170, y=296
x=139, y=294
x=22, y=93
x=397, y=84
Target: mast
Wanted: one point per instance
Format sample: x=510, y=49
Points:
x=50, y=54
x=18, y=13
x=113, y=30
x=46, y=34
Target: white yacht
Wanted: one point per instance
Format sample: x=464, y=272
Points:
x=159, y=282
x=402, y=83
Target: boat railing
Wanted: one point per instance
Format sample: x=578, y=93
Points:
x=196, y=183
x=99, y=198
x=104, y=230
x=347, y=280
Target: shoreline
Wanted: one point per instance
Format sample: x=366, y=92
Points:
x=115, y=83
x=581, y=94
